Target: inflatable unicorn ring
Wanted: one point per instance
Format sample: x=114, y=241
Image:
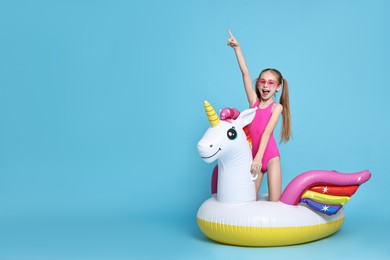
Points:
x=310, y=207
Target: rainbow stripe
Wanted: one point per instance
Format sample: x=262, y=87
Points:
x=328, y=199
x=248, y=136
x=336, y=190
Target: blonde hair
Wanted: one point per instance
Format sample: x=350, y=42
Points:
x=285, y=132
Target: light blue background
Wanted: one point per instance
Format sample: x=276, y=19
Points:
x=101, y=107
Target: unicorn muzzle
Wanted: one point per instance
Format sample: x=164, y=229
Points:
x=207, y=152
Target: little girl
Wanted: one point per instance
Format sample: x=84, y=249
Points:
x=266, y=157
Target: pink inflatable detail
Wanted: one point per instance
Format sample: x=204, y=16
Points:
x=214, y=180
x=229, y=113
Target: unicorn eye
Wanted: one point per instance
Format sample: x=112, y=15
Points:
x=232, y=133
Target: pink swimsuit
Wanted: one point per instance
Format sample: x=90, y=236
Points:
x=256, y=130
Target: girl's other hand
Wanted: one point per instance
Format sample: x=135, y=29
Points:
x=256, y=167
x=232, y=42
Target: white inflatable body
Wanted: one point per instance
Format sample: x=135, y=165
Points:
x=310, y=207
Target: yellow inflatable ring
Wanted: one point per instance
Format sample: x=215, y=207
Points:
x=263, y=223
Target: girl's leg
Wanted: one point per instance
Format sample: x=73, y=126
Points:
x=258, y=183
x=274, y=179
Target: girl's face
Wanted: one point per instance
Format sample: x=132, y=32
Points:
x=268, y=84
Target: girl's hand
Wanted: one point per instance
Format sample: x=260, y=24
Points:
x=232, y=42
x=256, y=167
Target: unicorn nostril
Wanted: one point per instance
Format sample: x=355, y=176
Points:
x=211, y=145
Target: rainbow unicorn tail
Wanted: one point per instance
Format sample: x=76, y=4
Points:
x=323, y=191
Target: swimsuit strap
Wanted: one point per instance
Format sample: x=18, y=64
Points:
x=257, y=104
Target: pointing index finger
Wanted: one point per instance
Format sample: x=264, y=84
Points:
x=230, y=33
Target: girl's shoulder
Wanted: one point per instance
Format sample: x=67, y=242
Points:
x=276, y=107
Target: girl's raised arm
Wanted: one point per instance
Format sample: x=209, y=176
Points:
x=250, y=92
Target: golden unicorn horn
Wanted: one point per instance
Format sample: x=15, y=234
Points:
x=211, y=114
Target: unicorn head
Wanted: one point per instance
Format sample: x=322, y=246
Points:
x=227, y=143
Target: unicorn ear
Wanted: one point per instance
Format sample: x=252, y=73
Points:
x=246, y=117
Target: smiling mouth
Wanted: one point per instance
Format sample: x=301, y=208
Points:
x=206, y=157
x=265, y=92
